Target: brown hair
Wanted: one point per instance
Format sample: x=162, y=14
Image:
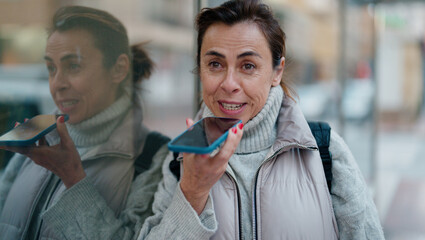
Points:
x=110, y=37
x=233, y=12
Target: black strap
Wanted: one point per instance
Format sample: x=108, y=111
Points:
x=154, y=141
x=322, y=133
x=175, y=166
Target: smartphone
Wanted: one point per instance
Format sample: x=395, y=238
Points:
x=204, y=136
x=29, y=132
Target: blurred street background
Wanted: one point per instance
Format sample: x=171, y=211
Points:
x=357, y=64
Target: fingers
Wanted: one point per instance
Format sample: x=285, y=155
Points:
x=27, y=150
x=189, y=122
x=63, y=131
x=18, y=123
x=201, y=171
x=229, y=147
x=42, y=142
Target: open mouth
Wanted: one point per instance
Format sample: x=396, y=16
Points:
x=67, y=104
x=232, y=107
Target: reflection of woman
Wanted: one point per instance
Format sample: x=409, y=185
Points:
x=81, y=186
x=268, y=184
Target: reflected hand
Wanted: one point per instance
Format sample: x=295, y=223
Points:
x=201, y=172
x=61, y=159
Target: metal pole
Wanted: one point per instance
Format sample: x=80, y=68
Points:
x=375, y=116
x=341, y=72
x=197, y=82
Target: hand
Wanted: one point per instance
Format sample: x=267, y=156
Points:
x=201, y=172
x=62, y=159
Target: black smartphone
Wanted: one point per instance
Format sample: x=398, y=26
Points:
x=29, y=132
x=204, y=136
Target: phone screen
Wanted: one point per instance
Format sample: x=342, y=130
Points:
x=204, y=133
x=30, y=131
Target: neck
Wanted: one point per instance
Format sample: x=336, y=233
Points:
x=98, y=128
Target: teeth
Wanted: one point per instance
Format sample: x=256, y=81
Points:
x=69, y=103
x=231, y=107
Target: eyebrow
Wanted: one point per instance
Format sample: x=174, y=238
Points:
x=66, y=57
x=214, y=53
x=249, y=53
x=245, y=54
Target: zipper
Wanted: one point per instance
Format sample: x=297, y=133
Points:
x=46, y=206
x=254, y=195
x=239, y=204
x=34, y=205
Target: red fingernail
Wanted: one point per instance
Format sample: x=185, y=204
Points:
x=187, y=121
x=61, y=119
x=16, y=124
x=240, y=125
x=26, y=119
x=234, y=130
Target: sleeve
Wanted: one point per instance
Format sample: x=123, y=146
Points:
x=82, y=213
x=174, y=217
x=8, y=177
x=354, y=209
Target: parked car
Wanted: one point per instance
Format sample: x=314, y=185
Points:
x=357, y=101
x=317, y=100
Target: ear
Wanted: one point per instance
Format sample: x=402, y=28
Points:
x=121, y=68
x=278, y=72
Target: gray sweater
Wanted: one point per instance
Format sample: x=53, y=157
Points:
x=354, y=209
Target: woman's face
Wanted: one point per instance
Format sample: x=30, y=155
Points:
x=236, y=70
x=79, y=83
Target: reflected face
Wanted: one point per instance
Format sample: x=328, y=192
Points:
x=236, y=70
x=79, y=83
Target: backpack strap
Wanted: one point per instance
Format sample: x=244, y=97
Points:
x=322, y=133
x=175, y=166
x=154, y=141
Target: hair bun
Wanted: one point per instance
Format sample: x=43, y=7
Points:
x=142, y=64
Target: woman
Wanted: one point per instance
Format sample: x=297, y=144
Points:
x=268, y=184
x=79, y=185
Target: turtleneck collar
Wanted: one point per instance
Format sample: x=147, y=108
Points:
x=98, y=128
x=260, y=131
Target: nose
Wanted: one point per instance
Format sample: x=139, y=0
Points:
x=230, y=83
x=58, y=82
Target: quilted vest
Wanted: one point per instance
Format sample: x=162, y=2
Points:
x=291, y=199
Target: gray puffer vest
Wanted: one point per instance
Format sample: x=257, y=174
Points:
x=109, y=166
x=291, y=199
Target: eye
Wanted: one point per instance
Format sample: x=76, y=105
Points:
x=74, y=66
x=248, y=66
x=51, y=69
x=214, y=64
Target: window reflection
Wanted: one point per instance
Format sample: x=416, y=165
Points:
x=384, y=53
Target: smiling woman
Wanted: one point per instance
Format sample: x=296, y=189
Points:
x=235, y=62
x=86, y=167
x=267, y=181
